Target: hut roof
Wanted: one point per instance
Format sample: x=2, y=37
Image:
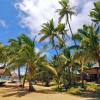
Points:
x=93, y=70
x=2, y=71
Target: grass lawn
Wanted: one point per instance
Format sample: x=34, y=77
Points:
x=92, y=90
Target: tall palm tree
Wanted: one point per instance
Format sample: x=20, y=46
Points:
x=49, y=31
x=89, y=42
x=66, y=12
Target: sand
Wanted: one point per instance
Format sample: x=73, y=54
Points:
x=43, y=93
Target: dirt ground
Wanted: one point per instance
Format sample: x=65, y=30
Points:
x=43, y=93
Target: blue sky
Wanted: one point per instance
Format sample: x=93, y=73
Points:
x=9, y=21
x=27, y=16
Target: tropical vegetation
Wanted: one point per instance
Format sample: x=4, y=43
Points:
x=67, y=62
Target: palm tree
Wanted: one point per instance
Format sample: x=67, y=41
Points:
x=81, y=58
x=61, y=31
x=14, y=47
x=89, y=42
x=66, y=12
x=23, y=54
x=67, y=58
x=43, y=74
x=1, y=52
x=27, y=56
x=66, y=71
x=50, y=32
x=25, y=77
x=95, y=13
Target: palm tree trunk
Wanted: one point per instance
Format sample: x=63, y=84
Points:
x=19, y=76
x=56, y=53
x=31, y=88
x=98, y=76
x=24, y=77
x=71, y=30
x=73, y=76
x=58, y=79
x=98, y=59
x=82, y=75
x=47, y=83
x=64, y=40
x=69, y=72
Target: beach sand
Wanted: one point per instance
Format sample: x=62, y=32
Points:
x=43, y=93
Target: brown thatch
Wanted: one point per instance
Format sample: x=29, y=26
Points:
x=2, y=71
x=94, y=70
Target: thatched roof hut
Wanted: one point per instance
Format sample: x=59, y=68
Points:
x=94, y=69
x=93, y=72
x=4, y=72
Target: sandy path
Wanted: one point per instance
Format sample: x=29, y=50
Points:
x=39, y=96
x=42, y=94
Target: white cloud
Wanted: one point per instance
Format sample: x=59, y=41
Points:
x=3, y=23
x=82, y=17
x=37, y=50
x=33, y=13
x=37, y=12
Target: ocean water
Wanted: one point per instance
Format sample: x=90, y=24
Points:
x=4, y=78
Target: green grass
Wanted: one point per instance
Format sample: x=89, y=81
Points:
x=92, y=90
x=52, y=83
x=74, y=90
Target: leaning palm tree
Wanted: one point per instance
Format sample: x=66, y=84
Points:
x=66, y=12
x=3, y=54
x=22, y=55
x=13, y=48
x=27, y=56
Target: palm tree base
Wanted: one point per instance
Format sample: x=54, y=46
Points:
x=31, y=89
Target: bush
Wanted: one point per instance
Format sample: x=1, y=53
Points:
x=75, y=90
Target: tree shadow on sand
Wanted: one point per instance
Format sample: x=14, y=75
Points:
x=15, y=92
x=19, y=92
